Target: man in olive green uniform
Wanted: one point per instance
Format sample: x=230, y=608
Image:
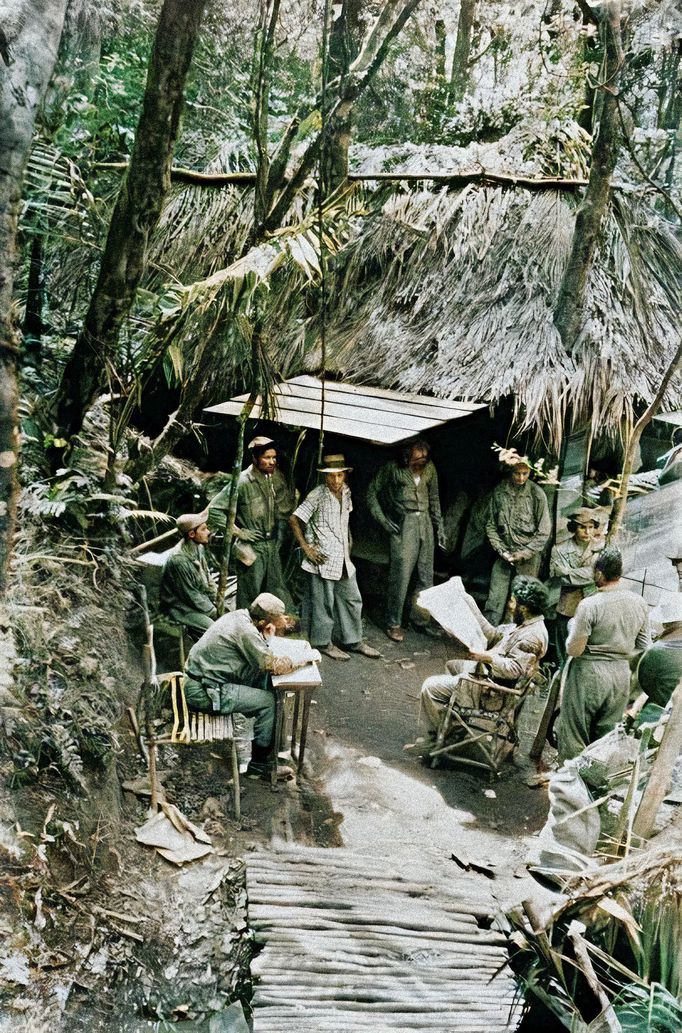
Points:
x=228, y=672
x=403, y=499
x=606, y=631
x=571, y=572
x=264, y=505
x=518, y=527
x=187, y=595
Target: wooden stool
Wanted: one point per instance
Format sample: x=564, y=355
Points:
x=195, y=727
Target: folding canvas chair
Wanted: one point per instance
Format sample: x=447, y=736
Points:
x=477, y=728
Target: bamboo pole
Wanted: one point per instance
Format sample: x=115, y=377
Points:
x=660, y=778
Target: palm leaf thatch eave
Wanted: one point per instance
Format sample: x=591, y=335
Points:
x=452, y=293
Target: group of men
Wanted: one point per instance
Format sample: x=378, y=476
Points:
x=228, y=667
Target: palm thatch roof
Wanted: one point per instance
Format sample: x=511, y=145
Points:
x=451, y=292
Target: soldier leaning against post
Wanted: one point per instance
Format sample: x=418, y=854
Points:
x=187, y=594
x=518, y=528
x=264, y=504
x=571, y=572
x=403, y=498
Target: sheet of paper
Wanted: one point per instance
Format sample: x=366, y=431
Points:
x=304, y=677
x=297, y=649
x=447, y=606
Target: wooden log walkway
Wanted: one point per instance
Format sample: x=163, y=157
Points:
x=351, y=944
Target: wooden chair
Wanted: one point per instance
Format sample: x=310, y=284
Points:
x=193, y=728
x=481, y=732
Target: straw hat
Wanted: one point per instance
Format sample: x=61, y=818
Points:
x=260, y=442
x=190, y=521
x=334, y=464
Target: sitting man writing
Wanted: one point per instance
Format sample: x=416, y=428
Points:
x=514, y=651
x=228, y=672
x=187, y=594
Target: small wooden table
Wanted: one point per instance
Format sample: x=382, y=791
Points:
x=301, y=684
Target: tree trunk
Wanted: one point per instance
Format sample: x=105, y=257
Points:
x=33, y=315
x=459, y=78
x=632, y=445
x=568, y=313
x=344, y=42
x=135, y=215
x=29, y=39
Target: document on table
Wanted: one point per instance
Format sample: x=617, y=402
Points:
x=447, y=604
x=299, y=651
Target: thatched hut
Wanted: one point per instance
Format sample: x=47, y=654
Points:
x=451, y=292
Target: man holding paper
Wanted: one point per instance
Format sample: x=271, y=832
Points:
x=513, y=651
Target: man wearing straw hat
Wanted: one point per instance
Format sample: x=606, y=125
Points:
x=264, y=504
x=332, y=605
x=571, y=573
x=187, y=595
x=518, y=528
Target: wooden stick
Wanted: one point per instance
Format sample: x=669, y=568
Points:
x=660, y=778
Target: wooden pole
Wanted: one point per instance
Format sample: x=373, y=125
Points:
x=660, y=778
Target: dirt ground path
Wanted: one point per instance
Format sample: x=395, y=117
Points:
x=385, y=802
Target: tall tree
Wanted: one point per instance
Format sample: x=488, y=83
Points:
x=30, y=31
x=570, y=304
x=136, y=214
x=459, y=77
x=278, y=191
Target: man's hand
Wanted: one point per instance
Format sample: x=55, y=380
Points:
x=283, y=665
x=245, y=535
x=442, y=539
x=314, y=554
x=391, y=527
x=482, y=657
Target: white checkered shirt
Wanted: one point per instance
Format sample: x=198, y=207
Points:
x=326, y=520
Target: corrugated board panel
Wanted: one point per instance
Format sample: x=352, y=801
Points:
x=369, y=413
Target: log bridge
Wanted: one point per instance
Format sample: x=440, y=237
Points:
x=351, y=944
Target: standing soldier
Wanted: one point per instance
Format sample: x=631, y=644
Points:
x=518, y=528
x=187, y=594
x=264, y=504
x=332, y=605
x=608, y=628
x=403, y=499
x=570, y=568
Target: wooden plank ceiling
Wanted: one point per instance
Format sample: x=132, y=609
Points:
x=369, y=413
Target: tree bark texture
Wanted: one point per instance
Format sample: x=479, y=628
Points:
x=344, y=41
x=570, y=305
x=135, y=214
x=632, y=445
x=459, y=77
x=31, y=30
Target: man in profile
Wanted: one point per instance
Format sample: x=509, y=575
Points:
x=187, y=595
